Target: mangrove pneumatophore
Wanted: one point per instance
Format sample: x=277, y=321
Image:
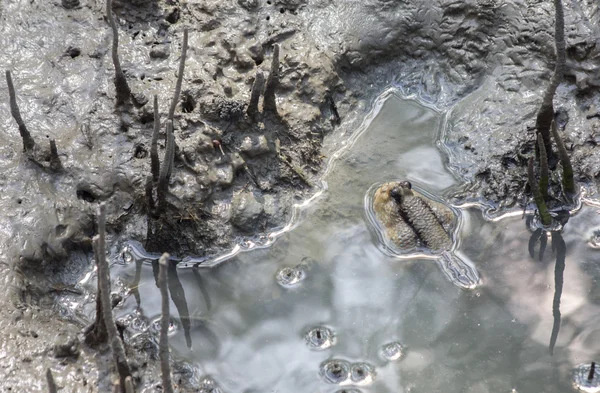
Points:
x=544, y=172
x=159, y=178
x=32, y=151
x=116, y=345
x=166, y=170
x=50, y=380
x=177, y=92
x=567, y=179
x=269, y=103
x=28, y=142
x=122, y=88
x=546, y=113
x=154, y=163
x=55, y=163
x=163, y=341
x=257, y=87
x=537, y=195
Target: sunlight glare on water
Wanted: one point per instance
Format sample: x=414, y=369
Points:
x=355, y=318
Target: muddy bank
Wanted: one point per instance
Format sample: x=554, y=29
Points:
x=490, y=62
x=237, y=176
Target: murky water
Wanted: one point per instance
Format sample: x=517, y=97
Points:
x=327, y=308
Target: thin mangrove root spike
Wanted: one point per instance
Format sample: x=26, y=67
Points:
x=544, y=174
x=537, y=196
x=28, y=142
x=167, y=168
x=163, y=343
x=50, y=380
x=99, y=243
x=184, y=48
x=55, y=163
x=257, y=87
x=567, y=178
x=546, y=112
x=154, y=162
x=122, y=88
x=592, y=372
x=129, y=385
x=149, y=194
x=269, y=103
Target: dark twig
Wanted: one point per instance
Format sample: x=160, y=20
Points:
x=180, y=75
x=269, y=103
x=55, y=164
x=544, y=175
x=104, y=286
x=165, y=173
x=257, y=87
x=154, y=162
x=546, y=112
x=28, y=143
x=537, y=196
x=163, y=343
x=50, y=380
x=567, y=179
x=121, y=86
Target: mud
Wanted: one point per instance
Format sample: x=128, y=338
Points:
x=234, y=176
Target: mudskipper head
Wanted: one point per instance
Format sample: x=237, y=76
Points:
x=401, y=190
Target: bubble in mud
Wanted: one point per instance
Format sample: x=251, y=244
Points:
x=320, y=338
x=362, y=373
x=335, y=371
x=289, y=276
x=587, y=378
x=172, y=326
x=127, y=255
x=209, y=385
x=392, y=351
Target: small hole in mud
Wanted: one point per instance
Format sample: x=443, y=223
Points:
x=187, y=103
x=146, y=117
x=72, y=52
x=86, y=196
x=268, y=2
x=282, y=10
x=173, y=16
x=140, y=151
x=19, y=201
x=60, y=230
x=268, y=17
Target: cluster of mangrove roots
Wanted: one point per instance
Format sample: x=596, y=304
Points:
x=159, y=180
x=546, y=130
x=45, y=158
x=104, y=330
x=269, y=103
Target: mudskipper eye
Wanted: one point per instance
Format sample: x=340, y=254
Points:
x=406, y=184
x=396, y=193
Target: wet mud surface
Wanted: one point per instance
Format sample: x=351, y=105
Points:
x=485, y=61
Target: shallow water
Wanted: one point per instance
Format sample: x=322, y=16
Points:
x=348, y=314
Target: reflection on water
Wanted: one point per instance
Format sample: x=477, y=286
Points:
x=360, y=319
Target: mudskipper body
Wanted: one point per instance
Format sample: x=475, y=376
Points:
x=413, y=222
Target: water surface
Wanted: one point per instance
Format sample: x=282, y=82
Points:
x=353, y=316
